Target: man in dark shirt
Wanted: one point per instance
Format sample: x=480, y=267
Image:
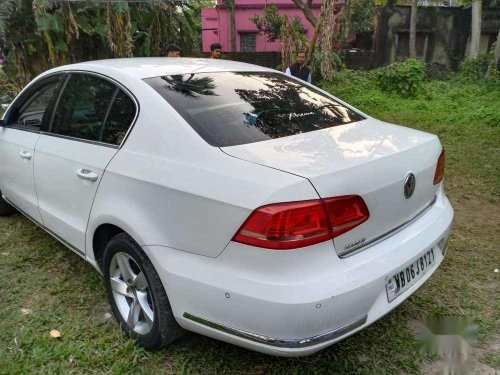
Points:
x=172, y=50
x=299, y=69
x=215, y=51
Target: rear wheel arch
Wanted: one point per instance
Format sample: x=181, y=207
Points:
x=136, y=293
x=102, y=235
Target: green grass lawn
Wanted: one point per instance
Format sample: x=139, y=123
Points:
x=44, y=286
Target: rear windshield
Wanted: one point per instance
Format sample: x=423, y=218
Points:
x=229, y=108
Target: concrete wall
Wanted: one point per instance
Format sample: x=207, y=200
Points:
x=443, y=34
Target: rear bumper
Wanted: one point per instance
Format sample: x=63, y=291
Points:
x=294, y=303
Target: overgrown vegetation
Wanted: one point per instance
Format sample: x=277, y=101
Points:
x=45, y=286
x=480, y=68
x=408, y=78
x=474, y=68
x=40, y=34
x=404, y=78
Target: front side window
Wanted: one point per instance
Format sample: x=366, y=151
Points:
x=230, y=108
x=31, y=114
x=83, y=107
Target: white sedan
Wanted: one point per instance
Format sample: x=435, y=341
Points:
x=226, y=198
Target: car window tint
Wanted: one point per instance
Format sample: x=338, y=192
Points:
x=119, y=119
x=31, y=113
x=82, y=107
x=231, y=108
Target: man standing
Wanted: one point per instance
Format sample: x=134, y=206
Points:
x=299, y=69
x=173, y=50
x=215, y=51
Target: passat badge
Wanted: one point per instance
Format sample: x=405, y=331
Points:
x=409, y=187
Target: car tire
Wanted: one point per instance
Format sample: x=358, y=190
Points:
x=5, y=208
x=136, y=294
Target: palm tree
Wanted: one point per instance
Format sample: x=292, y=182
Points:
x=191, y=87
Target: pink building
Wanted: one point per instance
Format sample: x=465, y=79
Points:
x=216, y=25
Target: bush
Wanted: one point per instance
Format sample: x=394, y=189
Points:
x=436, y=71
x=451, y=104
x=404, y=78
x=474, y=69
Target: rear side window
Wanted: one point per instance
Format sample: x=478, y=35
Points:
x=120, y=117
x=230, y=108
x=82, y=107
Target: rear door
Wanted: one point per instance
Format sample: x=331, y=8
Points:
x=91, y=118
x=17, y=144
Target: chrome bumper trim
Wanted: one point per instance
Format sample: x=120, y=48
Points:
x=373, y=241
x=280, y=343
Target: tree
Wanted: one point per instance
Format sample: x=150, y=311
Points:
x=306, y=8
x=361, y=15
x=475, y=37
x=230, y=5
x=39, y=34
x=347, y=21
x=327, y=31
x=413, y=29
x=323, y=24
x=357, y=17
x=190, y=86
x=289, y=32
x=496, y=54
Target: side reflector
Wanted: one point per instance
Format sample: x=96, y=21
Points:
x=438, y=176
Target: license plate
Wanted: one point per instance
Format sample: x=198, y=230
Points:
x=409, y=275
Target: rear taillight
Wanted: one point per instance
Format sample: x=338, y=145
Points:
x=285, y=226
x=292, y=225
x=438, y=176
x=346, y=212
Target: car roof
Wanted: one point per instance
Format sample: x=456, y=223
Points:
x=146, y=67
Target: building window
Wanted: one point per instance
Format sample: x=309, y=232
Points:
x=247, y=42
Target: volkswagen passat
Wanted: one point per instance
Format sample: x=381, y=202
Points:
x=227, y=199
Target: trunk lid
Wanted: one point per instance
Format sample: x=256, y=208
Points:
x=369, y=158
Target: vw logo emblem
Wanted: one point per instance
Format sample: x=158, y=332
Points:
x=409, y=187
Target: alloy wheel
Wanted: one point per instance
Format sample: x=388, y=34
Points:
x=131, y=293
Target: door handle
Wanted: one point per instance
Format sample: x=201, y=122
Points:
x=85, y=174
x=26, y=155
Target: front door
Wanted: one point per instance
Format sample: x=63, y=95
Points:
x=17, y=145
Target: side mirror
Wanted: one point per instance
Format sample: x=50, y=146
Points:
x=2, y=122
